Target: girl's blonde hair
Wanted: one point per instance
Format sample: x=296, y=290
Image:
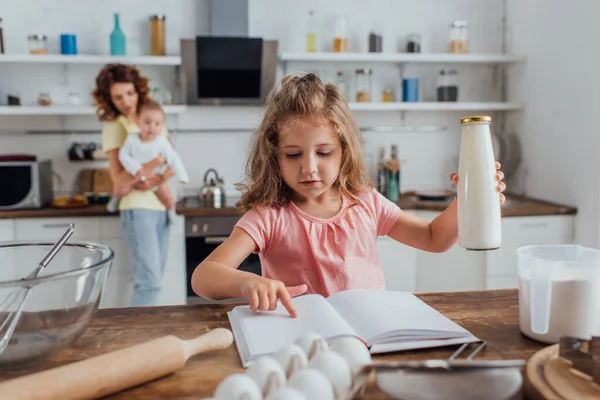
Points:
x=301, y=97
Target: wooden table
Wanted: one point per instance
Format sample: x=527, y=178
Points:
x=490, y=315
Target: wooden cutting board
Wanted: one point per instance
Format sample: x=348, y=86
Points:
x=86, y=180
x=549, y=377
x=102, y=181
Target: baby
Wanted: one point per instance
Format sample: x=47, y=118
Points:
x=146, y=145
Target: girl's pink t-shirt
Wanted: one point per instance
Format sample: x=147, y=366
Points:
x=328, y=255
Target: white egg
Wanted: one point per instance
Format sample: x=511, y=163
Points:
x=313, y=384
x=292, y=358
x=238, y=387
x=353, y=350
x=336, y=369
x=312, y=343
x=268, y=374
x=286, y=393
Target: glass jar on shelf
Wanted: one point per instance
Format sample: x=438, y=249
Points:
x=387, y=96
x=44, y=99
x=340, y=41
x=363, y=85
x=375, y=41
x=340, y=81
x=38, y=44
x=311, y=33
x=413, y=43
x=459, y=42
x=157, y=35
x=447, y=85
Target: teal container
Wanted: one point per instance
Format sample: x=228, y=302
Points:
x=117, y=39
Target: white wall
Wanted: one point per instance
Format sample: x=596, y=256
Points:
x=429, y=157
x=560, y=86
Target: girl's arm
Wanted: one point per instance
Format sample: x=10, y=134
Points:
x=440, y=234
x=217, y=277
x=436, y=236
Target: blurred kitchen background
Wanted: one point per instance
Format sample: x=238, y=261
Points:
x=410, y=70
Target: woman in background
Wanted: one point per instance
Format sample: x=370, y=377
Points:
x=119, y=93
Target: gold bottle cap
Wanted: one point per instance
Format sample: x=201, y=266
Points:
x=476, y=118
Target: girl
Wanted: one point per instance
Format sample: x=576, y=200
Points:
x=310, y=211
x=120, y=93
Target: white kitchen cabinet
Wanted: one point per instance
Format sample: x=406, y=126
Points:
x=119, y=285
x=108, y=231
x=399, y=263
x=501, y=264
x=458, y=269
x=51, y=229
x=453, y=270
x=7, y=230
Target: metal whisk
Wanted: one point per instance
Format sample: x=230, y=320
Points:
x=16, y=299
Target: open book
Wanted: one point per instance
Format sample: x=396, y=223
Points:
x=386, y=320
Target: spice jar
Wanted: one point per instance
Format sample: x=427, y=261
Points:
x=447, y=85
x=44, y=99
x=14, y=99
x=1, y=39
x=458, y=37
x=363, y=85
x=387, y=96
x=38, y=44
x=340, y=41
x=157, y=35
x=74, y=99
x=413, y=43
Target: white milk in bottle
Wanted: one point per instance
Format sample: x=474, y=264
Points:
x=478, y=198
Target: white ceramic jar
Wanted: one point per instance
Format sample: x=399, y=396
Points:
x=479, y=214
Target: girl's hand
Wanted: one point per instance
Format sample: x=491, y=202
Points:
x=499, y=176
x=262, y=293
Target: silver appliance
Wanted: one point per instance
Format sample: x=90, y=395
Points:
x=227, y=70
x=25, y=184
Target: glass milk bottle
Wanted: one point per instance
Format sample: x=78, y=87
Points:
x=478, y=198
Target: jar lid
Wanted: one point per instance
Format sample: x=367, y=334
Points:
x=459, y=24
x=155, y=17
x=476, y=118
x=364, y=71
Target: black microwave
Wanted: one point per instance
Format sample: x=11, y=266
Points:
x=227, y=70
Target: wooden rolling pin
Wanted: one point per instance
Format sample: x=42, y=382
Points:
x=112, y=372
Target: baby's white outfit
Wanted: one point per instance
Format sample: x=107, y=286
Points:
x=134, y=153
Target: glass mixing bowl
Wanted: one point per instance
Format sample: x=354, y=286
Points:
x=62, y=300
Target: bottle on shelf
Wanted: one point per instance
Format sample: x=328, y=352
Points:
x=393, y=182
x=340, y=41
x=382, y=173
x=311, y=33
x=117, y=39
x=340, y=81
x=458, y=37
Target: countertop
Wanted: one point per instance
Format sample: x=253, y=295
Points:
x=113, y=329
x=191, y=207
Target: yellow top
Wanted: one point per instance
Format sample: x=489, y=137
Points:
x=476, y=118
x=114, y=134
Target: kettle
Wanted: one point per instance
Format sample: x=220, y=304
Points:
x=212, y=193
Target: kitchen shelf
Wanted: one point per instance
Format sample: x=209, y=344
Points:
x=88, y=59
x=400, y=58
x=71, y=110
x=437, y=106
